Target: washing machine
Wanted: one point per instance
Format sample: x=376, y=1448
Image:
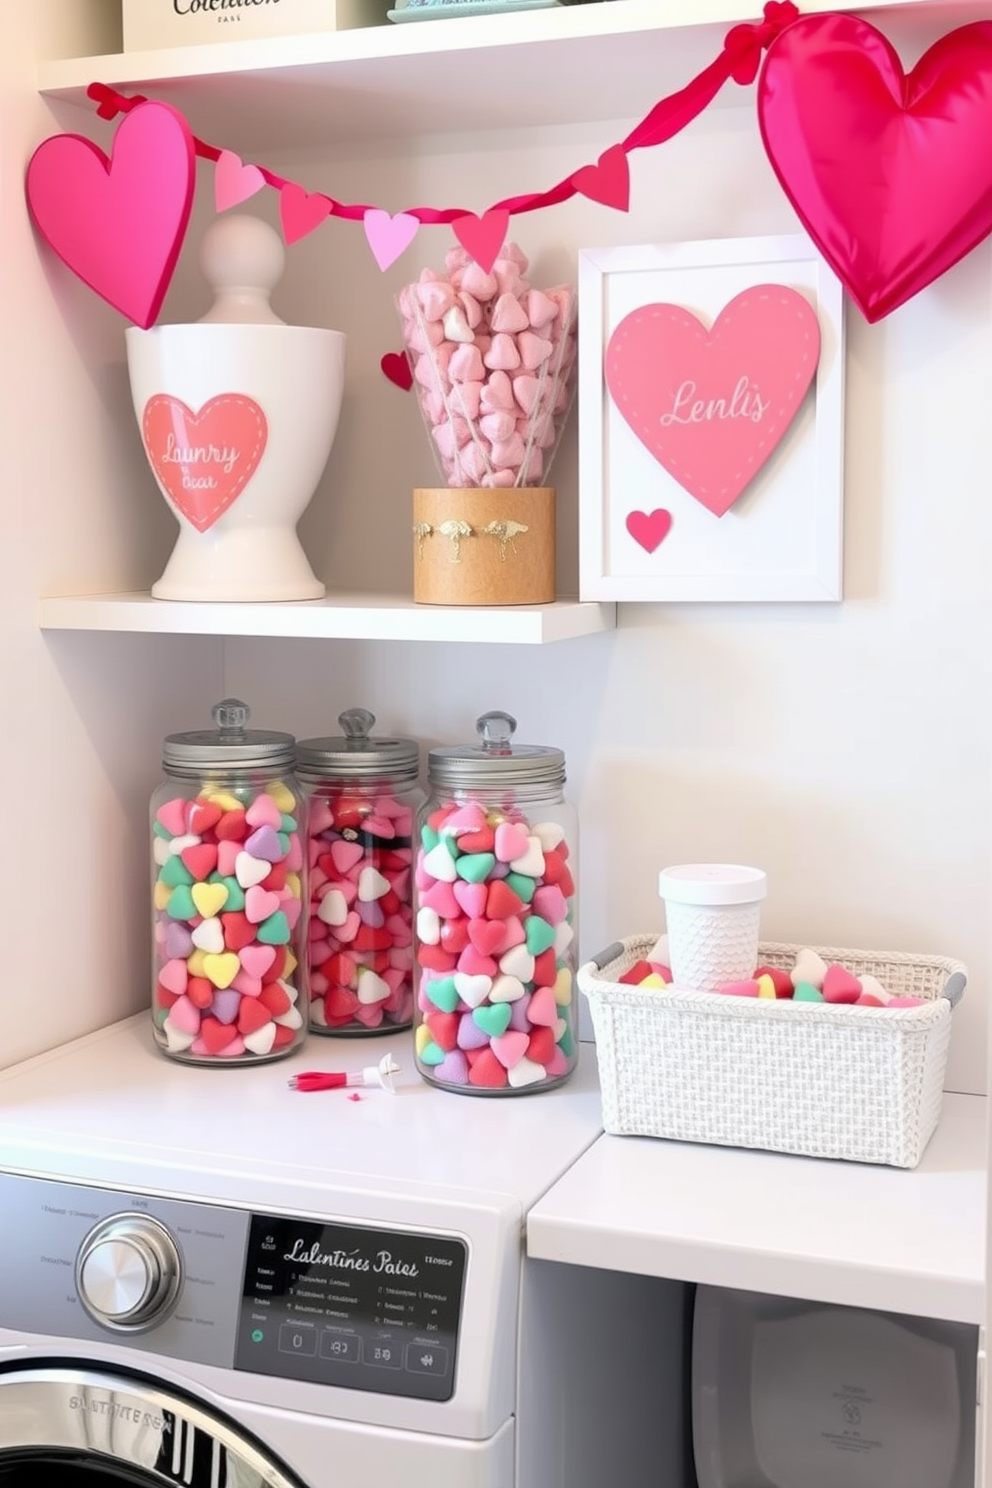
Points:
x=210, y=1278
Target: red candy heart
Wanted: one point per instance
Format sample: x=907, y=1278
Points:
x=200, y=992
x=238, y=930
x=839, y=985
x=501, y=901
x=486, y=936
x=200, y=860
x=486, y=1071
x=216, y=1035
x=274, y=999
x=231, y=826
x=252, y=1015
x=781, y=980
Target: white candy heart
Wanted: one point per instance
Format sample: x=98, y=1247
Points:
x=428, y=925
x=810, y=967
x=472, y=990
x=208, y=935
x=564, y=935
x=530, y=863
x=371, y=884
x=456, y=326
x=250, y=871
x=506, y=989
x=874, y=987
x=440, y=864
x=333, y=908
x=160, y=851
x=180, y=844
x=260, y=1040
x=371, y=987
x=525, y=1072
x=659, y=951
x=176, y=1039
x=517, y=962
x=291, y=1018
x=317, y=1012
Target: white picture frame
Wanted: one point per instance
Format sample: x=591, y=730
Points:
x=782, y=539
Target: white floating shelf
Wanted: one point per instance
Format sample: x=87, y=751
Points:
x=611, y=60
x=902, y=1240
x=342, y=617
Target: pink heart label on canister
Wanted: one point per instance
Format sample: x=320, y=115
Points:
x=203, y=461
x=711, y=405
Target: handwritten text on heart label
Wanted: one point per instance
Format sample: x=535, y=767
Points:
x=204, y=460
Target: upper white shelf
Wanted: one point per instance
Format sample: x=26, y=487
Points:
x=907, y=1241
x=341, y=617
x=611, y=60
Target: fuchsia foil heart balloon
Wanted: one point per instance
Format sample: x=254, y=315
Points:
x=118, y=223
x=890, y=173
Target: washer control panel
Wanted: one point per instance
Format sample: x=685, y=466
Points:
x=356, y=1306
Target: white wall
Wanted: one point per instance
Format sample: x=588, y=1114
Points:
x=844, y=748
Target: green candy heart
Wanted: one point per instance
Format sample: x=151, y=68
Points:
x=274, y=931
x=567, y=1043
x=159, y=831
x=283, y=840
x=443, y=993
x=521, y=885
x=431, y=1054
x=288, y=823
x=540, y=935
x=174, y=872
x=428, y=838
x=493, y=1020
x=806, y=992
x=475, y=867
x=180, y=905
x=235, y=893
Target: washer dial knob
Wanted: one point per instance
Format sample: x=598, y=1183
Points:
x=128, y=1272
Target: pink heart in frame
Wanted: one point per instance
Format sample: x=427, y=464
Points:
x=118, y=222
x=712, y=405
x=649, y=529
x=203, y=461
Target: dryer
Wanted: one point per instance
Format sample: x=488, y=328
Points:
x=208, y=1278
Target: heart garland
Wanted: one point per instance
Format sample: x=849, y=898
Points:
x=118, y=222
x=889, y=172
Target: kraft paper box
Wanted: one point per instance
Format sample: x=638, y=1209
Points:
x=149, y=24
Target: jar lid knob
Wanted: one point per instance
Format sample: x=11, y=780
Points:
x=356, y=724
x=496, y=730
x=230, y=715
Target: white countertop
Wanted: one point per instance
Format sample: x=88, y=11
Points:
x=900, y=1240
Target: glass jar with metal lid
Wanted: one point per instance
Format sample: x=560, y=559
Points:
x=362, y=796
x=495, y=942
x=227, y=895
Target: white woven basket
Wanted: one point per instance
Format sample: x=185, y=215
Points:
x=818, y=1079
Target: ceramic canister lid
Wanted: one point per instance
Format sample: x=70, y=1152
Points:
x=712, y=883
x=497, y=761
x=231, y=746
x=356, y=752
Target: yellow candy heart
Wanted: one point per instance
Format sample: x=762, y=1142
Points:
x=653, y=980
x=766, y=987
x=209, y=898
x=290, y=964
x=563, y=987
x=224, y=800
x=282, y=796
x=161, y=895
x=294, y=886
x=194, y=963
x=222, y=969
x=423, y=1038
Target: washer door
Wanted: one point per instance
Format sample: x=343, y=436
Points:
x=87, y=1427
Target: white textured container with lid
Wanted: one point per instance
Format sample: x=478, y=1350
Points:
x=713, y=919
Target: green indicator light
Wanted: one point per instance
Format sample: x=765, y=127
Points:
x=257, y=1335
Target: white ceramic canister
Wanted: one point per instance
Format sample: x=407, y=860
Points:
x=238, y=413
x=712, y=915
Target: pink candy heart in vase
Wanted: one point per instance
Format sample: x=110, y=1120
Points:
x=507, y=375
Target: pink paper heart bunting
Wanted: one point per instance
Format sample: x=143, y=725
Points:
x=300, y=211
x=389, y=236
x=483, y=236
x=234, y=182
x=608, y=181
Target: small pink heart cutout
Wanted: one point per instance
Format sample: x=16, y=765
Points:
x=203, y=461
x=649, y=528
x=712, y=405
